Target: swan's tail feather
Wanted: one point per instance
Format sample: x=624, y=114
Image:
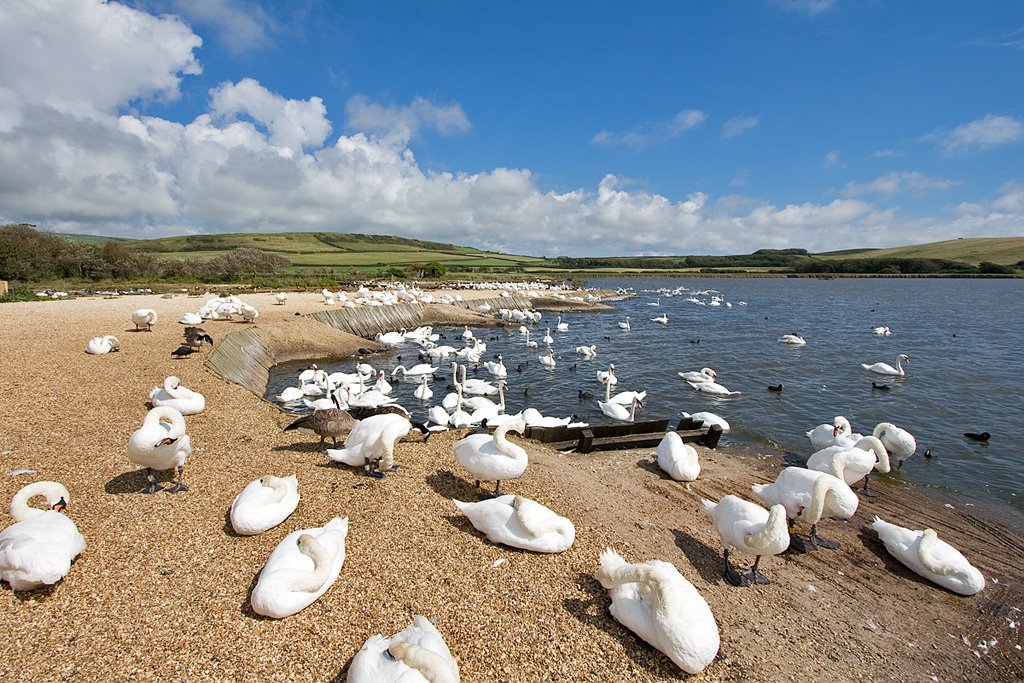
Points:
x=461, y=505
x=610, y=562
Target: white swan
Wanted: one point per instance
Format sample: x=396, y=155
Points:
x=704, y=375
x=839, y=433
x=548, y=339
x=852, y=464
x=39, y=547
x=497, y=368
x=97, y=346
x=548, y=359
x=281, y=297
x=289, y=394
x=931, y=557
x=655, y=601
x=882, y=330
x=617, y=411
x=371, y=443
x=712, y=388
x=663, y=319
x=189, y=318
x=587, y=351
x=624, y=325
x=886, y=369
x=607, y=376
x=792, y=339
x=144, y=317
x=679, y=460
x=748, y=528
x=520, y=523
x=300, y=569
x=263, y=504
x=808, y=496
x=423, y=392
x=493, y=458
x=416, y=654
x=174, y=395
x=560, y=326
x=530, y=344
x=900, y=443
x=708, y=419
x=161, y=444
x=421, y=369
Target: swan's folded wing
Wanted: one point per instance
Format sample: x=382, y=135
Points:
x=532, y=516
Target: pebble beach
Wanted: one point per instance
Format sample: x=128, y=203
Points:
x=161, y=591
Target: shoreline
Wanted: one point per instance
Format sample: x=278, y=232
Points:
x=161, y=591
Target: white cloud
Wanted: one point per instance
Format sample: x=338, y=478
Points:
x=241, y=27
x=900, y=182
x=981, y=134
x=739, y=125
x=649, y=133
x=885, y=154
x=404, y=123
x=832, y=159
x=810, y=7
x=75, y=158
x=294, y=124
x=90, y=57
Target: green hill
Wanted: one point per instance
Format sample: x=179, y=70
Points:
x=335, y=250
x=1003, y=250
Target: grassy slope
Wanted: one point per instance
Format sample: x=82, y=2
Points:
x=334, y=250
x=340, y=250
x=974, y=250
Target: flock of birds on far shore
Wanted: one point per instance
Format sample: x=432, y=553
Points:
x=651, y=598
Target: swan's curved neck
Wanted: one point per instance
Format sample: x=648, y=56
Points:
x=51, y=490
x=278, y=486
x=775, y=524
x=166, y=414
x=506, y=447
x=873, y=444
x=308, y=582
x=428, y=664
x=812, y=513
x=607, y=389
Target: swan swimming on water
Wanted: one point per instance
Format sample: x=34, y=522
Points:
x=40, y=546
x=300, y=569
x=704, y=375
x=655, y=601
x=886, y=369
x=793, y=339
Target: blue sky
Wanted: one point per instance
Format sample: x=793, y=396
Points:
x=546, y=128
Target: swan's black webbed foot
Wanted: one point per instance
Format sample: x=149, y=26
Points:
x=734, y=578
x=151, y=486
x=801, y=545
x=823, y=542
x=177, y=488
x=756, y=576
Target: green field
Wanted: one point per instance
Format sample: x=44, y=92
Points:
x=1003, y=250
x=371, y=253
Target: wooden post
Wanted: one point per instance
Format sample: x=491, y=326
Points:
x=586, y=442
x=714, y=434
x=3, y=287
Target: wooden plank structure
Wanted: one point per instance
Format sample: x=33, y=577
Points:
x=627, y=435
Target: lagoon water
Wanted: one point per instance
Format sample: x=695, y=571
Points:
x=964, y=338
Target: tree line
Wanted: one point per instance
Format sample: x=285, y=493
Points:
x=28, y=255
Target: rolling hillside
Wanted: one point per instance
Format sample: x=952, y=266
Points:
x=1003, y=250
x=335, y=250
